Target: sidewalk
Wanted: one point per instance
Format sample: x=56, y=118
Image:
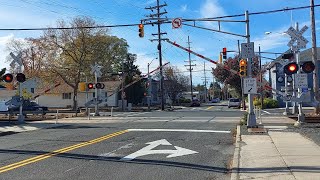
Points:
x=276, y=155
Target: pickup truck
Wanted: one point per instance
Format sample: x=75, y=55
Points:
x=29, y=107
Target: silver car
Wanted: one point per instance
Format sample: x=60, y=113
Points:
x=234, y=102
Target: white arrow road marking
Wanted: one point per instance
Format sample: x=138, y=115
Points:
x=179, y=151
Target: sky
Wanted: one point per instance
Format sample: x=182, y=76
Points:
x=36, y=14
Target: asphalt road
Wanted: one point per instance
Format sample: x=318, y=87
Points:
x=190, y=143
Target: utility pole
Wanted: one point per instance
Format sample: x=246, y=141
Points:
x=122, y=85
x=314, y=59
x=261, y=78
x=190, y=68
x=251, y=121
x=205, y=81
x=159, y=21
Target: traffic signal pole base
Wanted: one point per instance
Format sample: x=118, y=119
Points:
x=286, y=112
x=251, y=120
x=21, y=118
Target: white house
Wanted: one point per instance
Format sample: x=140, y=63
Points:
x=62, y=95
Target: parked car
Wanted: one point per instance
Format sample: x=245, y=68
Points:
x=30, y=106
x=215, y=100
x=234, y=102
x=195, y=102
x=3, y=107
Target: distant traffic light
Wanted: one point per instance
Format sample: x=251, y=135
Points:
x=8, y=78
x=291, y=68
x=224, y=53
x=141, y=30
x=21, y=77
x=243, y=68
x=308, y=67
x=90, y=85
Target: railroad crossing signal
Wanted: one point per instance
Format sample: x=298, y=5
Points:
x=308, y=67
x=243, y=68
x=291, y=68
x=97, y=86
x=8, y=78
x=141, y=30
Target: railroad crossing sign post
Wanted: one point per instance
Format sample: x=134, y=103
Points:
x=96, y=70
x=301, y=42
x=17, y=60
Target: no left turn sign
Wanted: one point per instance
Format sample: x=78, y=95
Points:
x=176, y=23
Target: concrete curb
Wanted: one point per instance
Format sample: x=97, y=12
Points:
x=236, y=157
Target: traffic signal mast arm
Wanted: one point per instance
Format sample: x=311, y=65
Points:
x=146, y=75
x=225, y=67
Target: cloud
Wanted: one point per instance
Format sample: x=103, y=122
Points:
x=184, y=7
x=211, y=8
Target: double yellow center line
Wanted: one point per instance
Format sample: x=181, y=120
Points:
x=210, y=107
x=59, y=151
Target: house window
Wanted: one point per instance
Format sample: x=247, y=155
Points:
x=32, y=90
x=66, y=95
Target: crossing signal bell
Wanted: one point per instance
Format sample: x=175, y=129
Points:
x=8, y=78
x=308, y=67
x=291, y=68
x=224, y=53
x=141, y=30
x=243, y=68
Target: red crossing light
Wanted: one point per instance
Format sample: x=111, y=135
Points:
x=291, y=68
x=8, y=78
x=308, y=67
x=90, y=86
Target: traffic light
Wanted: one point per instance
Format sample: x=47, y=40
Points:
x=224, y=53
x=21, y=77
x=243, y=68
x=291, y=68
x=308, y=67
x=141, y=30
x=8, y=78
x=90, y=85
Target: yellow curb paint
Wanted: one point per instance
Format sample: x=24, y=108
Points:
x=210, y=107
x=59, y=151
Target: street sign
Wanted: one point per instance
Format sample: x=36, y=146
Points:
x=176, y=23
x=247, y=50
x=301, y=80
x=148, y=150
x=249, y=85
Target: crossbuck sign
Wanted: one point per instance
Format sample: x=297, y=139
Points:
x=296, y=36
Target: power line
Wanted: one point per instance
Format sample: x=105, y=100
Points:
x=164, y=22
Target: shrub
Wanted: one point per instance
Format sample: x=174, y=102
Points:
x=244, y=119
x=267, y=103
x=182, y=100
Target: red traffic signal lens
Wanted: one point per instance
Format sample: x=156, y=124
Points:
x=21, y=77
x=7, y=78
x=224, y=50
x=140, y=26
x=291, y=68
x=90, y=86
x=308, y=67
